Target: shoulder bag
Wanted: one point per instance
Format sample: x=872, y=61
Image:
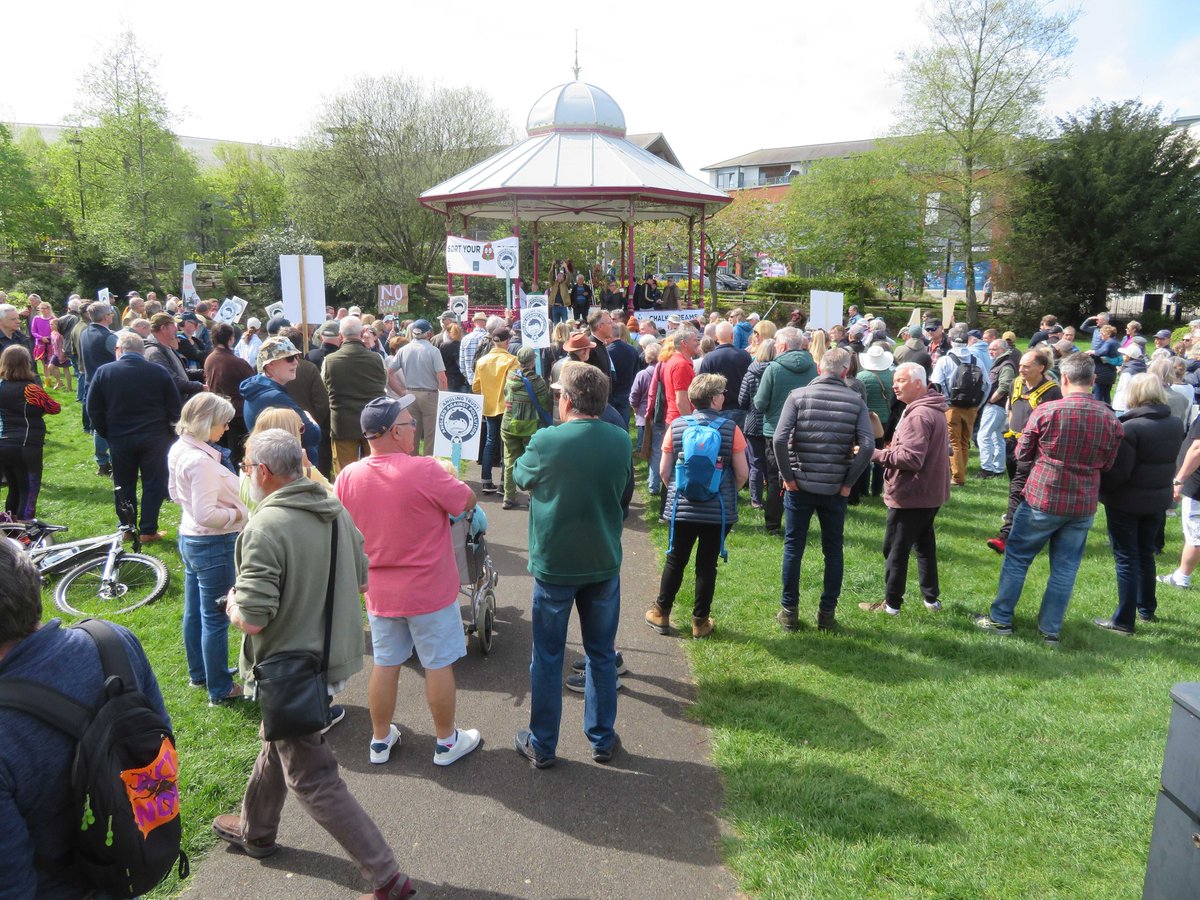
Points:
x=293, y=693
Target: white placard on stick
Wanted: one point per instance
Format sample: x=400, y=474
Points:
x=190, y=297
x=533, y=300
x=103, y=296
x=947, y=312
x=231, y=310
x=275, y=309
x=458, y=305
x=459, y=421
x=535, y=327
x=825, y=309
x=303, y=277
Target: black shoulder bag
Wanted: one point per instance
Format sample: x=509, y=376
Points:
x=293, y=692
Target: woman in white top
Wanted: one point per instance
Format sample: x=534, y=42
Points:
x=206, y=489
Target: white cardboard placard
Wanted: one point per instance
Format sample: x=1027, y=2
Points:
x=314, y=287
x=459, y=421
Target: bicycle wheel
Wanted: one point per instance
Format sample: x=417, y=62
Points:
x=137, y=580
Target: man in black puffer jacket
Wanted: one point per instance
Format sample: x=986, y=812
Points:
x=823, y=442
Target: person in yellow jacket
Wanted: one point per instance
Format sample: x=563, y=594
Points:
x=491, y=373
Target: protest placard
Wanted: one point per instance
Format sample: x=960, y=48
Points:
x=190, y=297
x=459, y=420
x=825, y=309
x=535, y=327
x=302, y=281
x=492, y=259
x=231, y=310
x=392, y=298
x=458, y=305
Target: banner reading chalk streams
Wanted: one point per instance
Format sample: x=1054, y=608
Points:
x=459, y=422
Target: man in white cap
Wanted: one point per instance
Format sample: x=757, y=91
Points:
x=402, y=505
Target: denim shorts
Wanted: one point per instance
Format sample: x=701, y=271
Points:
x=438, y=638
x=1189, y=514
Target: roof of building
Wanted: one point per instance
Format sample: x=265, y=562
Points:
x=201, y=148
x=779, y=156
x=656, y=143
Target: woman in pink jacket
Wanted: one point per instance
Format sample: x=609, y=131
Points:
x=203, y=483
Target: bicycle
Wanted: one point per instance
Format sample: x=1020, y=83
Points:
x=110, y=581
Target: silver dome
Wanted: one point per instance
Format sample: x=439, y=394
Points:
x=576, y=106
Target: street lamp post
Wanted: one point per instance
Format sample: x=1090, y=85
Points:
x=77, y=140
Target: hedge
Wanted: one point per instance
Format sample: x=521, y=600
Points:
x=797, y=286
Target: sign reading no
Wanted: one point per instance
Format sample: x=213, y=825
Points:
x=393, y=298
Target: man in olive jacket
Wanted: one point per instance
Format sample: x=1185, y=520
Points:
x=354, y=376
x=278, y=600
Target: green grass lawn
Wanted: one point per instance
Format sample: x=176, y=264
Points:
x=217, y=747
x=902, y=757
x=917, y=756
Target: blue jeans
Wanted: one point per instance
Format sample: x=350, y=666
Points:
x=558, y=314
x=757, y=445
x=208, y=574
x=991, y=438
x=621, y=405
x=656, y=436
x=599, y=605
x=798, y=507
x=1134, y=540
x=1031, y=530
x=491, y=448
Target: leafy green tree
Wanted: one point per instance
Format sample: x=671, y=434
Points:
x=1113, y=205
x=23, y=213
x=372, y=152
x=249, y=188
x=858, y=215
x=121, y=177
x=973, y=97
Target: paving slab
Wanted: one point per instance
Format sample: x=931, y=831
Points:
x=490, y=826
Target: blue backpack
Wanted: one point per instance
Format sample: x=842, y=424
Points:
x=699, y=469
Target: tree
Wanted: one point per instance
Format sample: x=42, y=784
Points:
x=858, y=216
x=373, y=151
x=250, y=187
x=1113, y=205
x=23, y=216
x=121, y=177
x=973, y=97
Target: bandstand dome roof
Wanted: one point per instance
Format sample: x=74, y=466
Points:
x=575, y=165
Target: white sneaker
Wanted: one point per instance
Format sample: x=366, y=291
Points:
x=381, y=751
x=1174, y=582
x=935, y=606
x=468, y=740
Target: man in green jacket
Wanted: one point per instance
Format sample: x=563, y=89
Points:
x=353, y=376
x=527, y=407
x=792, y=368
x=282, y=558
x=575, y=523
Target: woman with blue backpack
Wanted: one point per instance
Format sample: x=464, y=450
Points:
x=703, y=465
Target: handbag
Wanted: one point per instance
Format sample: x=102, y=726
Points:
x=293, y=692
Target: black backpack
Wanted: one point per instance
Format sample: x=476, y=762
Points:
x=967, y=384
x=125, y=776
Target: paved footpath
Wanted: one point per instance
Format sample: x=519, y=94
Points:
x=490, y=826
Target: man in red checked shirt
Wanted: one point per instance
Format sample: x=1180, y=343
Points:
x=1069, y=442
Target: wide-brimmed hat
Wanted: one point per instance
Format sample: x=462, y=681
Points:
x=579, y=341
x=274, y=348
x=876, y=358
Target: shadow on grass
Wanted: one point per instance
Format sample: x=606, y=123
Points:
x=785, y=712
x=782, y=802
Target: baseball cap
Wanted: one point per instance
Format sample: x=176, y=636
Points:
x=274, y=348
x=354, y=311
x=527, y=358
x=188, y=317
x=753, y=317
x=502, y=334
x=976, y=333
x=329, y=329
x=1133, y=351
x=277, y=322
x=379, y=415
x=914, y=331
x=1009, y=336
x=421, y=326
x=1162, y=334
x=933, y=324
x=448, y=314
x=132, y=294
x=252, y=322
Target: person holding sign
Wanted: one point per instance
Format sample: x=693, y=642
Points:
x=491, y=373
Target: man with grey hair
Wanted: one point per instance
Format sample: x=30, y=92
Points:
x=353, y=376
x=993, y=418
x=915, y=486
x=792, y=368
x=568, y=572
x=10, y=329
x=1068, y=443
x=822, y=443
x=280, y=557
x=1098, y=321
x=962, y=376
x=36, y=795
x=134, y=405
x=425, y=375
x=731, y=363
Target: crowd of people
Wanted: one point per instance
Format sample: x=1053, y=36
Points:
x=276, y=444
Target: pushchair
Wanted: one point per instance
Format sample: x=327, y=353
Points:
x=477, y=580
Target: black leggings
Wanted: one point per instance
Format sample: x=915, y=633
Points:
x=687, y=534
x=22, y=467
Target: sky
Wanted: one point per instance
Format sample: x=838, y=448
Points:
x=717, y=81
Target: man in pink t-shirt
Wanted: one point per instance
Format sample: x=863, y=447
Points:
x=402, y=504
